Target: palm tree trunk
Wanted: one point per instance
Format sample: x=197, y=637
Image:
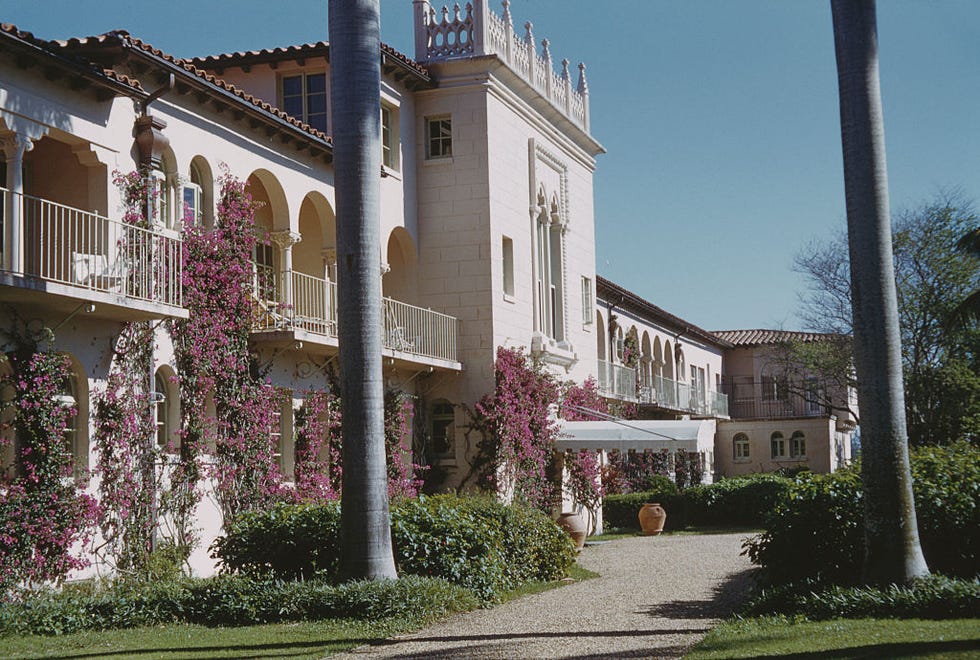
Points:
x=355, y=99
x=892, y=551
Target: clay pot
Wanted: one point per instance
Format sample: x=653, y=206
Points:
x=575, y=526
x=652, y=519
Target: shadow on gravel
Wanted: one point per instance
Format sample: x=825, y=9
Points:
x=724, y=600
x=492, y=651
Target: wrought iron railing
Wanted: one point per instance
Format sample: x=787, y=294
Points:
x=310, y=303
x=85, y=250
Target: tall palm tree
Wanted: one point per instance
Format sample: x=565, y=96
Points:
x=355, y=100
x=892, y=550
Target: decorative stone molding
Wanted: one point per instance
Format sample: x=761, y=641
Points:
x=285, y=239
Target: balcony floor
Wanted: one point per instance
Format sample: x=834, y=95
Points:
x=326, y=345
x=65, y=298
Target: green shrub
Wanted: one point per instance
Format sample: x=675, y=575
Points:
x=817, y=531
x=736, y=502
x=475, y=542
x=621, y=511
x=946, y=482
x=230, y=600
x=289, y=541
x=934, y=597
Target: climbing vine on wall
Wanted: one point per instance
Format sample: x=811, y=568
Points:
x=226, y=408
x=517, y=449
x=43, y=511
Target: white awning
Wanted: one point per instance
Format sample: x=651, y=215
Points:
x=638, y=435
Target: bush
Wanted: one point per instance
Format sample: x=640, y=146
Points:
x=817, y=532
x=736, y=502
x=229, y=600
x=475, y=542
x=934, y=597
x=621, y=511
x=289, y=541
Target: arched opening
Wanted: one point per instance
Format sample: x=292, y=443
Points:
x=400, y=282
x=167, y=409
x=668, y=361
x=601, y=344
x=777, y=445
x=740, y=447
x=646, y=361
x=797, y=445
x=74, y=392
x=658, y=359
x=271, y=215
x=198, y=193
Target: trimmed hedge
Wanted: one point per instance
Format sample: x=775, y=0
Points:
x=476, y=542
x=230, y=600
x=934, y=597
x=735, y=502
x=817, y=532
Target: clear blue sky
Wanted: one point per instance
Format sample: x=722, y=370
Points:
x=720, y=120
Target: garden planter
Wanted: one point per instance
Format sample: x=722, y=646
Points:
x=575, y=526
x=652, y=519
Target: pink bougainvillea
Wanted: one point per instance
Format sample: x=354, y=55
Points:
x=43, y=512
x=518, y=431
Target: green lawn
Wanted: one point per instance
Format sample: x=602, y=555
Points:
x=840, y=638
x=292, y=640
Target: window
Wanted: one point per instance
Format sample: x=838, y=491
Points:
x=777, y=444
x=443, y=430
x=741, y=447
x=698, y=385
x=265, y=274
x=813, y=397
x=68, y=397
x=438, y=137
x=162, y=402
x=775, y=389
x=388, y=141
x=192, y=204
x=508, y=253
x=588, y=307
x=797, y=445
x=304, y=96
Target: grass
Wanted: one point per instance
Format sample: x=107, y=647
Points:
x=841, y=638
x=294, y=640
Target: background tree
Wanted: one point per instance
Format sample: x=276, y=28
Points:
x=939, y=356
x=892, y=550
x=355, y=103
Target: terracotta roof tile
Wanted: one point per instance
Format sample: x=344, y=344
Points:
x=121, y=37
x=767, y=337
x=292, y=52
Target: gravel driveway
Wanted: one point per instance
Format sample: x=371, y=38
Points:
x=655, y=598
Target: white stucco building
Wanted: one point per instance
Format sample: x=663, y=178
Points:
x=487, y=221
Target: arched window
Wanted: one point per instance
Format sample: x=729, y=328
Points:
x=741, y=447
x=777, y=444
x=442, y=426
x=549, y=257
x=797, y=445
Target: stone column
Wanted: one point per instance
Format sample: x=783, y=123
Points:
x=14, y=147
x=285, y=241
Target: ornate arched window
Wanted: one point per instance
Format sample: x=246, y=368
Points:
x=797, y=445
x=740, y=447
x=777, y=444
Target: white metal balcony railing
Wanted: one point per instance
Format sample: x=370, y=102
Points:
x=313, y=308
x=618, y=381
x=85, y=250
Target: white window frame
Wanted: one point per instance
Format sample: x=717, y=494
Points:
x=304, y=77
x=777, y=437
x=741, y=448
x=445, y=150
x=588, y=304
x=507, y=254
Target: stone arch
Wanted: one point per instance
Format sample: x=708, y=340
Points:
x=266, y=189
x=76, y=387
x=308, y=254
x=658, y=357
x=601, y=343
x=646, y=361
x=668, y=360
x=167, y=408
x=200, y=175
x=400, y=280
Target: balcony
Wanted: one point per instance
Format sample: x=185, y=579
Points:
x=619, y=382
x=76, y=257
x=296, y=306
x=771, y=398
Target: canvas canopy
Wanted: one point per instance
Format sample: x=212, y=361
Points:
x=638, y=435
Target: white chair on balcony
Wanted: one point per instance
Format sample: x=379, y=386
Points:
x=93, y=271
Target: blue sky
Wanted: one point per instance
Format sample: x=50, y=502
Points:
x=720, y=120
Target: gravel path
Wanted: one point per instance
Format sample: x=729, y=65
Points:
x=655, y=598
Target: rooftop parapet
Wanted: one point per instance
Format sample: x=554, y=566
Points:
x=476, y=30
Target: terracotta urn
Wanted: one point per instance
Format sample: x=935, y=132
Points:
x=652, y=519
x=575, y=526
